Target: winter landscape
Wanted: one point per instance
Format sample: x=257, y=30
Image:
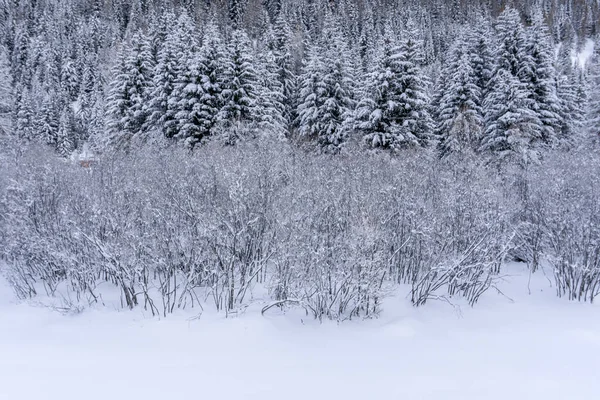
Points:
x=257, y=199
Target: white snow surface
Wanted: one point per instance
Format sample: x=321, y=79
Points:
x=536, y=346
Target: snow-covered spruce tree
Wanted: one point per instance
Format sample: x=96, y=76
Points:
x=6, y=93
x=48, y=120
x=483, y=59
x=65, y=143
x=512, y=52
x=236, y=12
x=378, y=114
x=174, y=57
x=511, y=127
x=200, y=92
x=592, y=120
x=572, y=95
x=540, y=77
x=90, y=99
x=311, y=96
x=415, y=124
x=337, y=103
x=128, y=93
x=241, y=88
x=271, y=101
x=24, y=125
x=460, y=115
x=70, y=78
x=284, y=61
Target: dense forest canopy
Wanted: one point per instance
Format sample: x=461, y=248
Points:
x=491, y=76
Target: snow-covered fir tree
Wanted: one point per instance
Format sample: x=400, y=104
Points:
x=271, y=101
x=540, y=77
x=592, y=122
x=48, y=120
x=415, y=122
x=338, y=103
x=168, y=71
x=511, y=127
x=129, y=92
x=65, y=143
x=460, y=115
x=240, y=84
x=379, y=114
x=312, y=95
x=6, y=93
x=200, y=94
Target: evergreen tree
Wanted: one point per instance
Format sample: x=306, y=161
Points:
x=240, y=82
x=284, y=62
x=593, y=110
x=236, y=12
x=65, y=143
x=511, y=127
x=512, y=124
x=48, y=120
x=271, y=101
x=129, y=93
x=416, y=124
x=162, y=107
x=483, y=59
x=541, y=80
x=200, y=96
x=6, y=93
x=338, y=103
x=379, y=113
x=570, y=88
x=24, y=117
x=312, y=95
x=70, y=79
x=460, y=119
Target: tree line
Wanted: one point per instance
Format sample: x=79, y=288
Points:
x=390, y=75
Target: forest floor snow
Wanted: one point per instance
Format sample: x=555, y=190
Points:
x=531, y=346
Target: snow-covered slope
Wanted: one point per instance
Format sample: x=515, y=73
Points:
x=534, y=347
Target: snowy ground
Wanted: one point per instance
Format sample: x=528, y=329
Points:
x=537, y=347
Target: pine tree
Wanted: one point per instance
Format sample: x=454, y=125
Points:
x=460, y=119
x=512, y=128
x=64, y=141
x=240, y=82
x=48, y=120
x=24, y=117
x=129, y=92
x=312, y=95
x=512, y=124
x=200, y=94
x=271, y=101
x=70, y=79
x=337, y=107
x=570, y=89
x=540, y=78
x=512, y=53
x=593, y=110
x=483, y=59
x=284, y=62
x=162, y=106
x=378, y=114
x=236, y=12
x=416, y=124
x=6, y=93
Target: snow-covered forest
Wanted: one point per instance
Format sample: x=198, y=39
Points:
x=315, y=154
